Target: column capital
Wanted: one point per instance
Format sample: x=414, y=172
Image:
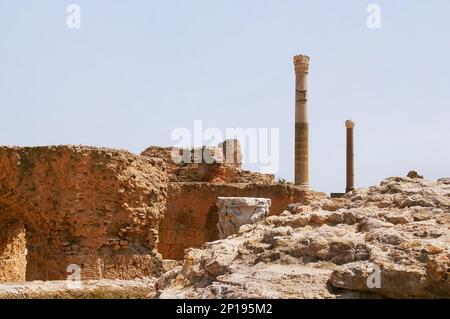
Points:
x=301, y=63
x=349, y=124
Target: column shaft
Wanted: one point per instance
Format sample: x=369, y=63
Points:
x=350, y=185
x=301, y=63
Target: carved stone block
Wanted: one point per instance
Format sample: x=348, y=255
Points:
x=237, y=211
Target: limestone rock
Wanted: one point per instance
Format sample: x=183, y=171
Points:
x=399, y=217
x=88, y=289
x=325, y=249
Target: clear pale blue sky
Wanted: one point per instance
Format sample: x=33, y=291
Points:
x=138, y=69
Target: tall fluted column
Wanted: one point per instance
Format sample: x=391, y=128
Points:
x=349, y=124
x=301, y=63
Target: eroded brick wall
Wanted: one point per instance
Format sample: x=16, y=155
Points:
x=221, y=164
x=95, y=207
x=101, y=209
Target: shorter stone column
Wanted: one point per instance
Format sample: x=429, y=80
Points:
x=349, y=124
x=237, y=211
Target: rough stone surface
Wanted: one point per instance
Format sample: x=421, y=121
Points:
x=329, y=249
x=191, y=216
x=13, y=252
x=95, y=207
x=89, y=289
x=414, y=174
x=197, y=176
x=102, y=209
x=221, y=164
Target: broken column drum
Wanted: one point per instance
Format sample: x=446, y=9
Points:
x=237, y=211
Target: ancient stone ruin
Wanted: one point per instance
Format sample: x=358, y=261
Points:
x=191, y=213
x=93, y=207
x=192, y=223
x=115, y=214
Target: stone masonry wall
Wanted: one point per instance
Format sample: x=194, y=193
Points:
x=221, y=167
x=95, y=207
x=102, y=209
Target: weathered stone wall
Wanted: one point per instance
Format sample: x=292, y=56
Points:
x=221, y=164
x=12, y=252
x=101, y=208
x=191, y=216
x=95, y=207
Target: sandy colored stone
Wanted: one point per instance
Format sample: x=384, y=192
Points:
x=97, y=208
x=13, y=252
x=315, y=253
x=88, y=289
x=221, y=164
x=189, y=222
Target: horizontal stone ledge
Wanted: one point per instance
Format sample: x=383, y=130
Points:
x=88, y=289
